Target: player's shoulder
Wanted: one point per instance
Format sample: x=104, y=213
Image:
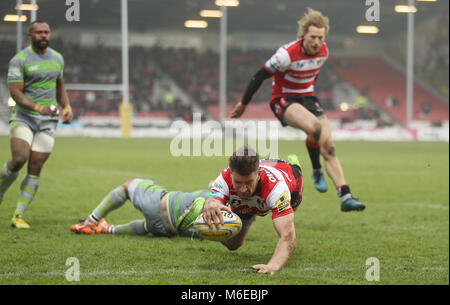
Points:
x=270, y=177
x=292, y=46
x=223, y=182
x=273, y=185
x=21, y=56
x=226, y=175
x=283, y=56
x=55, y=53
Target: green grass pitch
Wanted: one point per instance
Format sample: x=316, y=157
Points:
x=405, y=225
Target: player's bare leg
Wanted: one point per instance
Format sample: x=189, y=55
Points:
x=36, y=162
x=20, y=150
x=29, y=187
x=299, y=117
x=328, y=152
x=334, y=170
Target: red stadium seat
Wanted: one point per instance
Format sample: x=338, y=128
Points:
x=378, y=80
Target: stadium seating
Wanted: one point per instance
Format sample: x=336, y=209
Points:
x=197, y=73
x=379, y=81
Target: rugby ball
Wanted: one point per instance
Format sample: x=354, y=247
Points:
x=232, y=225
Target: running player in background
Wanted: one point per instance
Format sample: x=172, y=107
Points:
x=294, y=68
x=252, y=187
x=35, y=80
x=166, y=213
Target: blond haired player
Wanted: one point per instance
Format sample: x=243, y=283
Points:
x=294, y=69
x=35, y=80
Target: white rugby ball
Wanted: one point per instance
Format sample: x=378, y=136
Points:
x=232, y=225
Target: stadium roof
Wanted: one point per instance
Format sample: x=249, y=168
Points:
x=250, y=15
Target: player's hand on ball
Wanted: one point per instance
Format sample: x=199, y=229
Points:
x=264, y=269
x=212, y=212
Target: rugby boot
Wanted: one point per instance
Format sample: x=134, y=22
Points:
x=190, y=215
x=350, y=203
x=319, y=180
x=103, y=227
x=293, y=159
x=84, y=227
x=19, y=222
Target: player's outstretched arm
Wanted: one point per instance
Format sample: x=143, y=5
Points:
x=252, y=87
x=284, y=226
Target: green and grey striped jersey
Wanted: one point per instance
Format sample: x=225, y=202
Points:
x=39, y=74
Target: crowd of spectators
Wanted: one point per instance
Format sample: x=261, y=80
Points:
x=431, y=55
x=195, y=72
x=435, y=67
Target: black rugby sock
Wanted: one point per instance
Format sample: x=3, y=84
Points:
x=314, y=153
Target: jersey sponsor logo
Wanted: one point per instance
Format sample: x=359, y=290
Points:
x=235, y=201
x=276, y=62
x=283, y=202
x=270, y=176
x=255, y=204
x=217, y=186
x=33, y=68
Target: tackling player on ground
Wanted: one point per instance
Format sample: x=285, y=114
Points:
x=252, y=187
x=166, y=213
x=294, y=69
x=35, y=80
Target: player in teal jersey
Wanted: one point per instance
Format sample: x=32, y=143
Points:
x=166, y=213
x=35, y=80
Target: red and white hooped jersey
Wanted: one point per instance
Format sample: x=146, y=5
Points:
x=273, y=193
x=294, y=72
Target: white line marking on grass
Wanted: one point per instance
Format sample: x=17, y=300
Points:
x=95, y=273
x=428, y=205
